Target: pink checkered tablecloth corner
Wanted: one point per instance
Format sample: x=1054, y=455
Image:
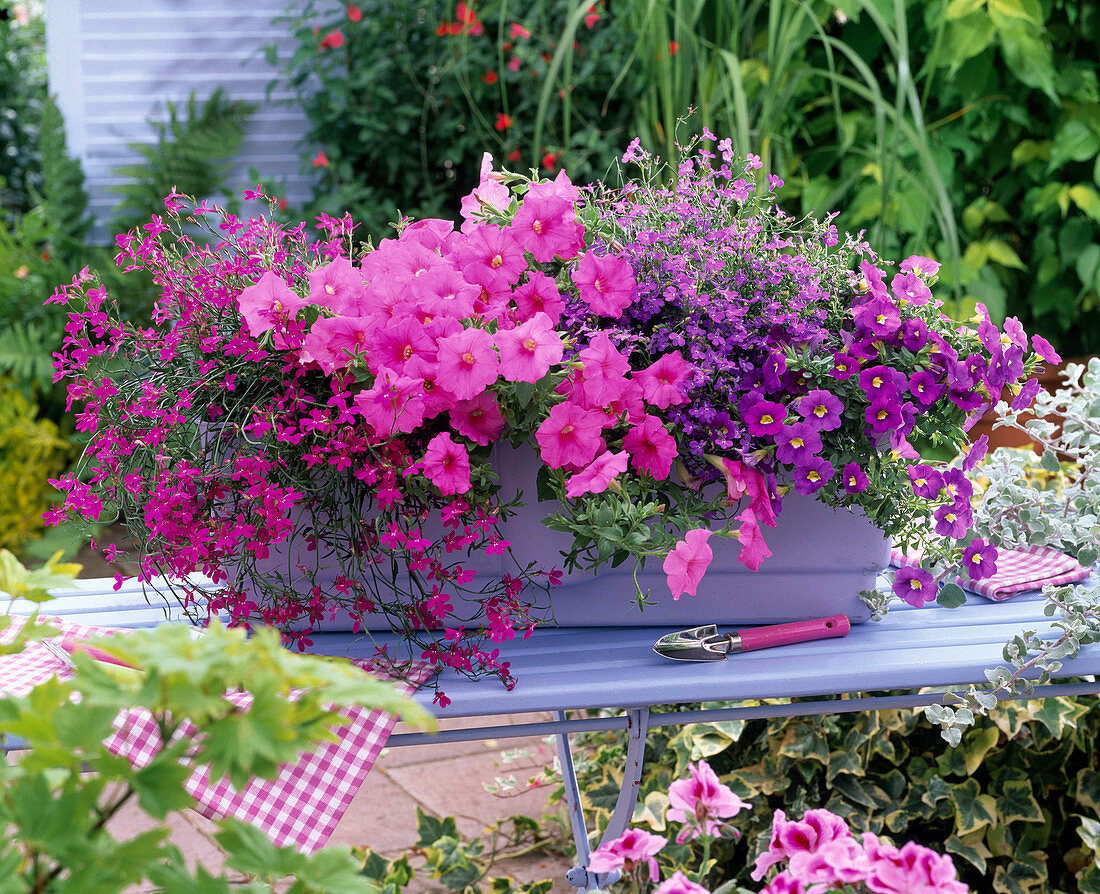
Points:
x=1018, y=570
x=301, y=806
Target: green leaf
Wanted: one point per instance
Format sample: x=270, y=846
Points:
x=159, y=787
x=430, y=830
x=973, y=809
x=1074, y=141
x=978, y=744
x=1008, y=12
x=1029, y=150
x=971, y=848
x=958, y=9
x=967, y=37
x=1017, y=802
x=951, y=595
x=1087, y=199
x=1087, y=789
x=1029, y=58
x=1004, y=254
x=1023, y=875
x=1057, y=714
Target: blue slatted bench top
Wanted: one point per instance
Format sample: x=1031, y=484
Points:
x=573, y=668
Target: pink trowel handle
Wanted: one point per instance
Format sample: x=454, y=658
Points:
x=796, y=632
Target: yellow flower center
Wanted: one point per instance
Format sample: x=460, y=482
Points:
x=797, y=442
x=766, y=419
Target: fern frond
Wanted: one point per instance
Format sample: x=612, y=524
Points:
x=64, y=199
x=26, y=353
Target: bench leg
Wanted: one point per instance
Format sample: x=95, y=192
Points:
x=579, y=876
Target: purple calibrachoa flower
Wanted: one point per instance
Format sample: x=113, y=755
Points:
x=980, y=559
x=914, y=585
x=844, y=366
x=764, y=418
x=811, y=475
x=855, y=479
x=821, y=408
x=952, y=520
x=926, y=481
x=925, y=387
x=796, y=443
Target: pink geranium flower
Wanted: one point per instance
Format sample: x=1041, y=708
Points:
x=791, y=837
x=634, y=846
x=663, y=382
x=467, y=362
x=606, y=283
x=679, y=883
x=686, y=564
x=447, y=465
x=569, y=436
x=598, y=475
x=529, y=350
x=651, y=447
x=700, y=802
x=912, y=869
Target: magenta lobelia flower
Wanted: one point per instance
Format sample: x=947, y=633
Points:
x=686, y=564
x=598, y=475
x=606, y=284
x=700, y=802
x=447, y=465
x=633, y=847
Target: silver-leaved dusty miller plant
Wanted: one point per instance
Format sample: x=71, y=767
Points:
x=1048, y=500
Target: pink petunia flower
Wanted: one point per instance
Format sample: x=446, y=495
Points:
x=337, y=285
x=634, y=846
x=447, y=465
x=569, y=436
x=606, y=284
x=467, y=362
x=538, y=295
x=604, y=370
x=489, y=194
x=545, y=225
x=332, y=342
x=700, y=802
x=753, y=548
x=478, y=418
x=267, y=302
x=918, y=264
x=394, y=404
x=651, y=447
x=598, y=475
x=688, y=561
x=529, y=350
x=664, y=381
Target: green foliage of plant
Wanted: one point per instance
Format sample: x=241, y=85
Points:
x=63, y=195
x=410, y=96
x=31, y=451
x=191, y=156
x=1016, y=805
x=20, y=582
x=22, y=96
x=58, y=796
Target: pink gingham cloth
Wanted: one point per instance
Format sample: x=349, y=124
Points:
x=1018, y=570
x=300, y=807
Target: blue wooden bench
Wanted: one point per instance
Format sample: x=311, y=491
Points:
x=569, y=672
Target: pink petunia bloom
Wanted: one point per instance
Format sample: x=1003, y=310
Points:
x=337, y=285
x=688, y=561
x=753, y=548
x=447, y=465
x=267, y=302
x=478, y=419
x=606, y=284
x=909, y=288
x=495, y=249
x=664, y=381
x=634, y=846
x=569, y=436
x=467, y=362
x=528, y=351
x=652, y=449
x=445, y=292
x=598, y=475
x=490, y=194
x=700, y=802
x=393, y=405
x=678, y=883
x=605, y=369
x=538, y=295
x=398, y=342
x=545, y=225
x=431, y=232
x=332, y=342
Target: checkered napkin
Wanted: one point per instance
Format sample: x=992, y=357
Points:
x=1018, y=570
x=301, y=806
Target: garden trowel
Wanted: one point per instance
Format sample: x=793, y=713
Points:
x=705, y=643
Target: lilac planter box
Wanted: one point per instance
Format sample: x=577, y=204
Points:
x=821, y=559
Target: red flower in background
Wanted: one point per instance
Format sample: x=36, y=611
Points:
x=673, y=48
x=331, y=41
x=320, y=160
x=550, y=160
x=519, y=31
x=592, y=17
x=515, y=155
x=355, y=14
x=490, y=77
x=503, y=121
